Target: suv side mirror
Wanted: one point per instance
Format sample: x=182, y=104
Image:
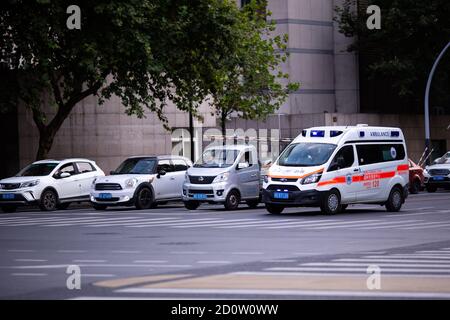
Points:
x=63, y=175
x=243, y=165
x=161, y=173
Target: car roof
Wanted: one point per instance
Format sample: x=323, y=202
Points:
x=159, y=157
x=232, y=147
x=64, y=160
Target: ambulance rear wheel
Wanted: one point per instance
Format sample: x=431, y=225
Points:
x=331, y=202
x=395, y=200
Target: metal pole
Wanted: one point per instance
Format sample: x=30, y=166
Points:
x=191, y=133
x=427, y=95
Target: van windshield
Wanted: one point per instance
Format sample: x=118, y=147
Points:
x=217, y=158
x=306, y=154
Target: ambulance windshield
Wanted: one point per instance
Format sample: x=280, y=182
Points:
x=306, y=154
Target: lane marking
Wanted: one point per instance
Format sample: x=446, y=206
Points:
x=213, y=262
x=150, y=261
x=158, y=224
x=188, y=252
x=217, y=223
x=30, y=260
x=362, y=269
x=125, y=251
x=72, y=251
x=247, y=253
x=361, y=264
x=406, y=261
x=323, y=224
x=390, y=223
x=21, y=250
x=89, y=261
x=29, y=274
x=128, y=222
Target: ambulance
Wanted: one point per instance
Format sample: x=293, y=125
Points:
x=332, y=167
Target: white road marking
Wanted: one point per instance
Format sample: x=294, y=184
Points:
x=355, y=269
x=30, y=260
x=188, y=252
x=361, y=264
x=89, y=261
x=150, y=261
x=72, y=251
x=158, y=224
x=371, y=225
x=323, y=224
x=84, y=221
x=438, y=225
x=247, y=253
x=29, y=274
x=405, y=261
x=127, y=222
x=125, y=251
x=281, y=223
x=21, y=250
x=403, y=225
x=97, y=275
x=409, y=256
x=215, y=223
x=213, y=262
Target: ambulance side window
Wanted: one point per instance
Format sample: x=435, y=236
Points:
x=344, y=158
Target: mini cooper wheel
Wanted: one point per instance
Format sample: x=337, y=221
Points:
x=9, y=209
x=274, y=208
x=48, y=201
x=395, y=200
x=144, y=199
x=232, y=200
x=191, y=205
x=331, y=202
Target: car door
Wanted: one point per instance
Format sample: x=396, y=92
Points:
x=179, y=172
x=248, y=178
x=68, y=187
x=86, y=175
x=343, y=167
x=164, y=185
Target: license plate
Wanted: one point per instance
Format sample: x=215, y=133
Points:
x=199, y=196
x=8, y=196
x=438, y=178
x=105, y=195
x=281, y=195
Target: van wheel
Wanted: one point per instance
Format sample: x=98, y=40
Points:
x=395, y=200
x=9, y=209
x=415, y=187
x=48, y=201
x=63, y=206
x=191, y=205
x=99, y=207
x=331, y=202
x=232, y=200
x=274, y=208
x=252, y=203
x=431, y=188
x=144, y=199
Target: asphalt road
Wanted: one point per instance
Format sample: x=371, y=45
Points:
x=172, y=253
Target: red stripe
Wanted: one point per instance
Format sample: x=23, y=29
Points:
x=403, y=167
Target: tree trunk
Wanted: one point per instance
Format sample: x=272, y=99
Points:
x=46, y=137
x=223, y=119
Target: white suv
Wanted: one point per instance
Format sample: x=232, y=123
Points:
x=51, y=184
x=142, y=182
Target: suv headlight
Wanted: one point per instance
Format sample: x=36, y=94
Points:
x=130, y=183
x=221, y=177
x=29, y=184
x=312, y=178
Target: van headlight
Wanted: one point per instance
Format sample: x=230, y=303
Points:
x=221, y=177
x=130, y=183
x=29, y=184
x=312, y=178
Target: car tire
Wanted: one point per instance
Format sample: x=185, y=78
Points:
x=63, y=206
x=232, y=200
x=48, y=201
x=344, y=207
x=395, y=200
x=99, y=207
x=252, y=204
x=144, y=199
x=331, y=202
x=431, y=189
x=191, y=205
x=415, y=187
x=274, y=208
x=9, y=209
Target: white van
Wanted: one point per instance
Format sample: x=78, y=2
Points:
x=332, y=167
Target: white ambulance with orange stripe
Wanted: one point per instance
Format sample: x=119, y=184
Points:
x=332, y=167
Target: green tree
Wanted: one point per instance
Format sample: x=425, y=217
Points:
x=145, y=52
x=399, y=56
x=251, y=81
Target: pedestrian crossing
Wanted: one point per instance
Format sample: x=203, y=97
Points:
x=224, y=223
x=422, y=262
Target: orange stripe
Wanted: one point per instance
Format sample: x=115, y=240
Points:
x=295, y=177
x=340, y=179
x=365, y=177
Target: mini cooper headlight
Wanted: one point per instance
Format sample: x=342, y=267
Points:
x=312, y=178
x=221, y=177
x=29, y=184
x=130, y=183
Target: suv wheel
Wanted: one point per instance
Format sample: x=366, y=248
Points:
x=232, y=200
x=48, y=201
x=252, y=203
x=63, y=206
x=9, y=209
x=395, y=200
x=331, y=202
x=274, y=208
x=191, y=205
x=99, y=206
x=144, y=199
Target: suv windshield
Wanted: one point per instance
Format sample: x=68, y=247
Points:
x=217, y=158
x=137, y=166
x=306, y=154
x=37, y=169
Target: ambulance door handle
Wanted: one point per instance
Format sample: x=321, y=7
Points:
x=356, y=170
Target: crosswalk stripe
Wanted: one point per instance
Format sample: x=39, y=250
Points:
x=214, y=223
x=142, y=225
x=405, y=261
x=403, y=224
x=55, y=220
x=147, y=222
x=274, y=223
x=37, y=219
x=409, y=256
x=393, y=223
x=355, y=269
x=321, y=224
x=428, y=226
x=362, y=264
x=124, y=222
x=74, y=222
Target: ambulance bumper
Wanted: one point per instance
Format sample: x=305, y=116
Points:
x=309, y=198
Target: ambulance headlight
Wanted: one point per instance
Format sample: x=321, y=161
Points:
x=312, y=178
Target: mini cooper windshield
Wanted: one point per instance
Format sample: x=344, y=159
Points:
x=217, y=158
x=306, y=154
x=137, y=166
x=37, y=169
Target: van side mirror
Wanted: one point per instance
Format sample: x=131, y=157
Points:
x=242, y=165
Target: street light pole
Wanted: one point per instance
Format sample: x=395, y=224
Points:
x=427, y=100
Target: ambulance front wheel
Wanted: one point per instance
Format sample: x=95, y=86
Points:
x=331, y=202
x=395, y=200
